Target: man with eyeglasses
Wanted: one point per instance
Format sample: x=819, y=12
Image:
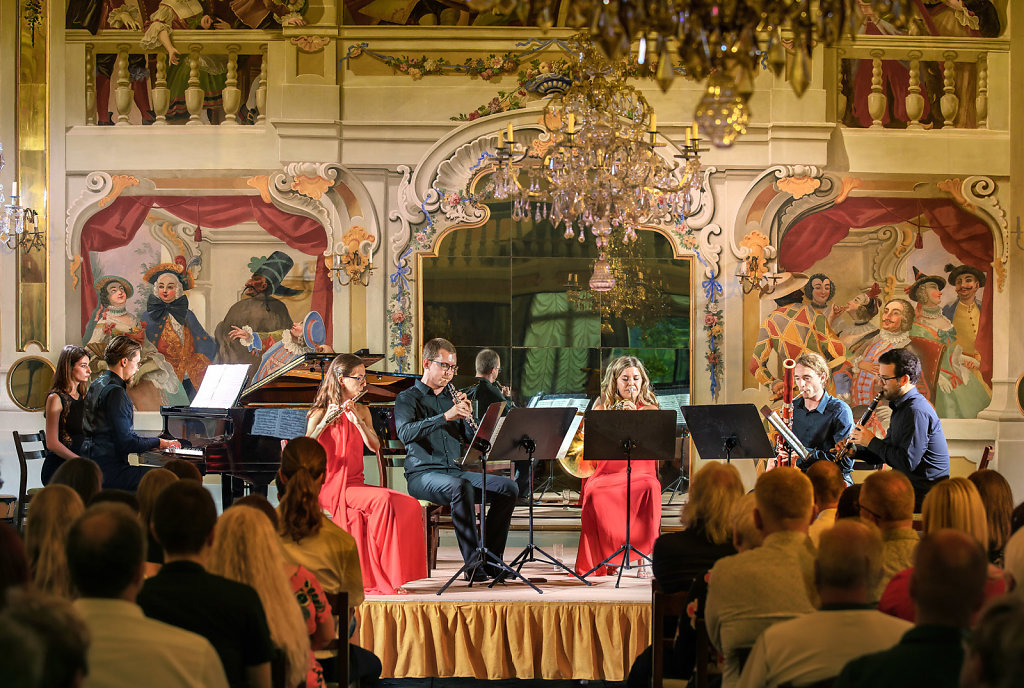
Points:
x=915, y=444
x=433, y=427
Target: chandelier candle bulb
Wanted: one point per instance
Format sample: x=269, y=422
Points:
x=510, y=134
x=654, y=123
x=14, y=189
x=571, y=123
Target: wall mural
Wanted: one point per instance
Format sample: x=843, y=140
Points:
x=871, y=266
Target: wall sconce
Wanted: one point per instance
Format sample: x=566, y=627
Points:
x=19, y=226
x=752, y=276
x=349, y=266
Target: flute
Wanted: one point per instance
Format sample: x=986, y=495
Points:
x=335, y=414
x=454, y=394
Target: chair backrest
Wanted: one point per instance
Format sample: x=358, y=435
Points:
x=663, y=605
x=986, y=457
x=392, y=452
x=339, y=608
x=24, y=456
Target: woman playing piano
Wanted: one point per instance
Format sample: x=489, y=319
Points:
x=626, y=387
x=387, y=525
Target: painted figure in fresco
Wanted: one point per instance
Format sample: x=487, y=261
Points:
x=897, y=319
x=257, y=308
x=283, y=346
x=959, y=393
x=154, y=383
x=173, y=328
x=855, y=323
x=965, y=312
x=798, y=327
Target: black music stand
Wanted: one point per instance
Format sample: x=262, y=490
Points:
x=728, y=431
x=478, y=449
x=536, y=434
x=628, y=436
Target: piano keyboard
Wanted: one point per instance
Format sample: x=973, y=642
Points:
x=186, y=452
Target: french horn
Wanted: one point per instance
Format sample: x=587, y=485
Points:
x=573, y=462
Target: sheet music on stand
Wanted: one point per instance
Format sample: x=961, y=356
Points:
x=221, y=386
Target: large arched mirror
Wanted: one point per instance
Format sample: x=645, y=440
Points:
x=28, y=381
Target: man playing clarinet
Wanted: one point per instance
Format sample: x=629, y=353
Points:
x=431, y=419
x=820, y=421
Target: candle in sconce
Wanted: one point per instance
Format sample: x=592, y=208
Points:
x=571, y=123
x=654, y=123
x=510, y=134
x=14, y=189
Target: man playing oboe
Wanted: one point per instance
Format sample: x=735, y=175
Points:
x=431, y=419
x=820, y=421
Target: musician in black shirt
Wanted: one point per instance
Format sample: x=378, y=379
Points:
x=432, y=426
x=487, y=391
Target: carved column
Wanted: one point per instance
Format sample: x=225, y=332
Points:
x=194, y=93
x=876, y=99
x=949, y=103
x=123, y=92
x=914, y=99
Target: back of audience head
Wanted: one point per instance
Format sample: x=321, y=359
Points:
x=1013, y=562
x=184, y=517
x=745, y=534
x=955, y=503
x=997, y=498
x=1017, y=518
x=22, y=655
x=151, y=485
x=713, y=491
x=14, y=568
x=184, y=469
x=995, y=651
x=887, y=499
x=827, y=482
x=784, y=500
x=303, y=462
x=105, y=552
x=113, y=495
x=50, y=515
x=82, y=475
x=849, y=559
x=948, y=580
x=258, y=501
x=62, y=635
x=849, y=502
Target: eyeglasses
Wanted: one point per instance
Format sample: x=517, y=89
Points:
x=357, y=378
x=883, y=378
x=445, y=367
x=872, y=513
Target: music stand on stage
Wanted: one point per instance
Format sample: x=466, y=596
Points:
x=536, y=434
x=479, y=448
x=628, y=436
x=728, y=431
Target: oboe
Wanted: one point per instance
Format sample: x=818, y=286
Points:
x=455, y=398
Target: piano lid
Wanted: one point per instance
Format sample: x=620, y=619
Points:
x=296, y=383
x=382, y=388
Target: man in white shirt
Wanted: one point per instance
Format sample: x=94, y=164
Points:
x=105, y=552
x=827, y=480
x=814, y=647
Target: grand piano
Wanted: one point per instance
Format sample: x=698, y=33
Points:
x=243, y=441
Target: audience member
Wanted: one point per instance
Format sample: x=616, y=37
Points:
x=62, y=635
x=828, y=484
x=105, y=553
x=1013, y=563
x=953, y=503
x=21, y=655
x=997, y=498
x=151, y=485
x=887, y=500
x=749, y=591
x=14, y=568
x=115, y=496
x=247, y=550
x=1017, y=518
x=745, y=534
x=184, y=469
x=815, y=646
x=948, y=589
x=82, y=475
x=848, y=505
x=995, y=650
x=50, y=514
x=227, y=613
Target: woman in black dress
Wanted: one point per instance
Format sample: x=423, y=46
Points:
x=65, y=405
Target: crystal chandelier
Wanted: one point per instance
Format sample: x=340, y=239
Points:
x=599, y=169
x=18, y=225
x=699, y=38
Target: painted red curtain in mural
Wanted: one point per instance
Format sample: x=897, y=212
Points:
x=962, y=234
x=117, y=225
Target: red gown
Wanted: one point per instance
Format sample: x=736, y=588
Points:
x=387, y=525
x=603, y=527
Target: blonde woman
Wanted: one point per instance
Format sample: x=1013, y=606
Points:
x=997, y=497
x=626, y=386
x=151, y=485
x=50, y=515
x=247, y=550
x=954, y=504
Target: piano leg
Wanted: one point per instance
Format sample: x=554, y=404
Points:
x=233, y=487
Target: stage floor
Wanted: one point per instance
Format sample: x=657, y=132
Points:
x=570, y=631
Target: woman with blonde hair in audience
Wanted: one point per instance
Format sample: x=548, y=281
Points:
x=997, y=497
x=954, y=503
x=50, y=515
x=151, y=485
x=247, y=550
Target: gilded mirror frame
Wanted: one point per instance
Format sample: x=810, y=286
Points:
x=10, y=381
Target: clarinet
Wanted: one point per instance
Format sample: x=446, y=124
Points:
x=455, y=398
x=870, y=411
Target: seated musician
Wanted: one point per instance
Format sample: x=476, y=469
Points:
x=627, y=387
x=109, y=418
x=820, y=421
x=432, y=426
x=387, y=525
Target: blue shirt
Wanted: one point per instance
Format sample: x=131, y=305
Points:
x=915, y=444
x=822, y=429
x=431, y=442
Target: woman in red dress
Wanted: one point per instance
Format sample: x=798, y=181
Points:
x=626, y=386
x=387, y=525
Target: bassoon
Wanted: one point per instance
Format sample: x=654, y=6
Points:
x=788, y=369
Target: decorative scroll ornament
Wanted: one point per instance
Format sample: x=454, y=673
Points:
x=310, y=44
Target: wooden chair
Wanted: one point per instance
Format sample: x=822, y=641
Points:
x=664, y=605
x=986, y=457
x=339, y=609
x=24, y=456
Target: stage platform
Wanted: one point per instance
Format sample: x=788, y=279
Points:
x=571, y=631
